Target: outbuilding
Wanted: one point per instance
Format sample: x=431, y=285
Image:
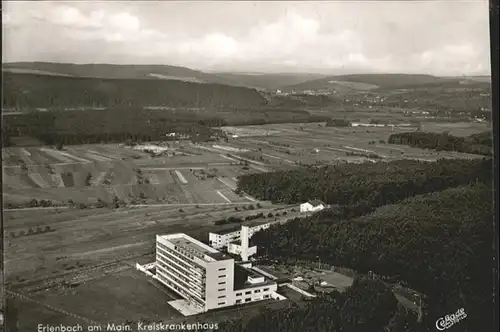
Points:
x=312, y=206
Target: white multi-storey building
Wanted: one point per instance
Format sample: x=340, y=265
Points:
x=222, y=239
x=205, y=277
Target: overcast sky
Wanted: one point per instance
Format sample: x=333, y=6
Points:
x=431, y=37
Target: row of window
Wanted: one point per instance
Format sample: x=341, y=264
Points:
x=175, y=277
x=249, y=299
x=182, y=256
x=178, y=259
x=166, y=264
x=169, y=283
x=250, y=292
x=184, y=252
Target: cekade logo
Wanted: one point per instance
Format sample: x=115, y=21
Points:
x=448, y=321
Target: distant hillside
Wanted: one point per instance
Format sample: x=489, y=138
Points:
x=260, y=81
x=25, y=91
x=104, y=70
x=267, y=81
x=484, y=78
x=363, y=82
x=302, y=100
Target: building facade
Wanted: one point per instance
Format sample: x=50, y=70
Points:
x=222, y=240
x=205, y=277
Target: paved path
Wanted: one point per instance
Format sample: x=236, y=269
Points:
x=137, y=206
x=39, y=208
x=189, y=204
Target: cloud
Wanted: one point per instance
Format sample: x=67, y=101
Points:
x=71, y=17
x=440, y=37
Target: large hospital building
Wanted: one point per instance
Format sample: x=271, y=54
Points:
x=205, y=277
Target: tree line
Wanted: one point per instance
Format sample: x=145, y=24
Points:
x=361, y=187
x=475, y=144
x=136, y=124
x=95, y=126
x=338, y=123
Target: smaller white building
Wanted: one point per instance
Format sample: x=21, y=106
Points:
x=312, y=206
x=237, y=240
x=236, y=248
x=222, y=239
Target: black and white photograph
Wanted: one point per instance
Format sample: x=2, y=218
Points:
x=248, y=166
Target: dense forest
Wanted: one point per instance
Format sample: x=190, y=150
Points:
x=439, y=243
x=95, y=126
x=475, y=144
x=425, y=224
x=367, y=306
x=364, y=186
x=136, y=124
x=29, y=91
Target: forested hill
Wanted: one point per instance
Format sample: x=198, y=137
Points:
x=364, y=185
x=375, y=80
x=424, y=224
x=26, y=91
x=106, y=70
x=480, y=143
x=439, y=243
x=155, y=72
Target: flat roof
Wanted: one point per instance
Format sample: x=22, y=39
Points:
x=193, y=246
x=228, y=230
x=315, y=202
x=238, y=242
x=241, y=275
x=249, y=223
x=256, y=222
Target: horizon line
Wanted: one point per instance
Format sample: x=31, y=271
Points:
x=213, y=71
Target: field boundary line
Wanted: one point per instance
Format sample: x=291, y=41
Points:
x=186, y=204
x=38, y=208
x=54, y=164
x=224, y=197
x=250, y=198
x=181, y=177
x=135, y=206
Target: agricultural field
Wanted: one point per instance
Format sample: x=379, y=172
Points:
x=86, y=174
x=315, y=143
x=458, y=128
x=186, y=173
